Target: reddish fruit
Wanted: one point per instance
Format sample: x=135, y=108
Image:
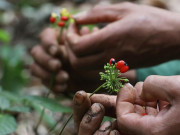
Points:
x=112, y=61
x=124, y=69
x=61, y=24
x=64, y=18
x=52, y=19
x=143, y=114
x=120, y=64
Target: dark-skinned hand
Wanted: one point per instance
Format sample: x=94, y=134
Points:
x=159, y=95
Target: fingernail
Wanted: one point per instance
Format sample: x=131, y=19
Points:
x=53, y=50
x=105, y=126
x=78, y=98
x=54, y=64
x=114, y=132
x=80, y=15
x=96, y=108
x=65, y=76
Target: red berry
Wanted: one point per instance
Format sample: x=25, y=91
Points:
x=124, y=69
x=143, y=114
x=112, y=61
x=61, y=24
x=64, y=18
x=120, y=64
x=52, y=19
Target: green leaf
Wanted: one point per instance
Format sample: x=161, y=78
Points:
x=13, y=77
x=4, y=103
x=18, y=109
x=7, y=124
x=4, y=36
x=106, y=118
x=50, y=104
x=11, y=96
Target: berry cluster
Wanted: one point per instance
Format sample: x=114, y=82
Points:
x=61, y=20
x=121, y=65
x=113, y=70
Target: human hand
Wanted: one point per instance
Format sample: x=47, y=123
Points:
x=88, y=116
x=155, y=88
x=140, y=35
x=51, y=57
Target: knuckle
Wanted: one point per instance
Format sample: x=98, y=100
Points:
x=97, y=7
x=149, y=78
x=74, y=63
x=35, y=50
x=126, y=4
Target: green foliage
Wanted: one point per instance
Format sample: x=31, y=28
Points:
x=20, y=109
x=50, y=104
x=113, y=81
x=7, y=124
x=4, y=103
x=13, y=78
x=4, y=36
x=24, y=3
x=106, y=118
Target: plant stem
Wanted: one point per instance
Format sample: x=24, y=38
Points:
x=60, y=35
x=96, y=90
x=50, y=88
x=66, y=123
x=47, y=95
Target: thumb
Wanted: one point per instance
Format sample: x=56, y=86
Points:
x=164, y=88
x=103, y=14
x=98, y=14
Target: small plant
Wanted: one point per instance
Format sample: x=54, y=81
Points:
x=60, y=21
x=113, y=82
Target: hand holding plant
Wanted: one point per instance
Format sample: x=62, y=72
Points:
x=113, y=82
x=61, y=21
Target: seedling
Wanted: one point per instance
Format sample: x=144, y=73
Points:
x=113, y=82
x=60, y=21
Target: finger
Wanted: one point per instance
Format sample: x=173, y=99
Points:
x=96, y=15
x=62, y=77
x=84, y=31
x=81, y=104
x=139, y=109
x=127, y=119
x=39, y=72
x=49, y=37
x=101, y=14
x=151, y=111
x=60, y=88
x=114, y=132
x=104, y=129
x=45, y=60
x=84, y=63
x=162, y=104
x=125, y=101
x=162, y=88
x=86, y=44
x=95, y=29
x=92, y=119
x=125, y=110
x=138, y=89
x=108, y=101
